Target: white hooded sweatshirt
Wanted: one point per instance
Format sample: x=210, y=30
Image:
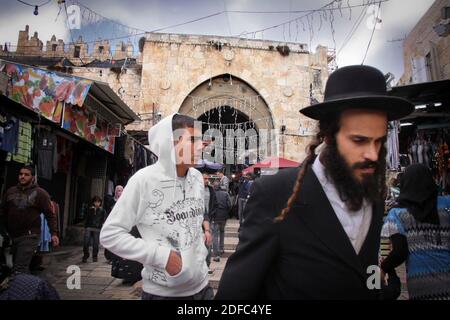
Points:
x=168, y=212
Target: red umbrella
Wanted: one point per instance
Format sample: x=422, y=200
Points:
x=272, y=162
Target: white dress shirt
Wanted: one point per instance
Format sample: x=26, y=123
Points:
x=355, y=223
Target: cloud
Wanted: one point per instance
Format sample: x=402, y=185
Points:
x=398, y=18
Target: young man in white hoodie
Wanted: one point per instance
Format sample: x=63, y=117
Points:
x=165, y=201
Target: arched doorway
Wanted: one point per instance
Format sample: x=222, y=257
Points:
x=225, y=103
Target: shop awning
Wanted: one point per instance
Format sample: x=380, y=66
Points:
x=40, y=89
x=38, y=61
x=103, y=93
x=272, y=162
x=432, y=100
x=423, y=93
x=127, y=63
x=89, y=109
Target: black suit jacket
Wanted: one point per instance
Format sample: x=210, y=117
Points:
x=212, y=205
x=306, y=256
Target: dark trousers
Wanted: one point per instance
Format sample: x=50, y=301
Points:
x=206, y=293
x=91, y=235
x=208, y=257
x=241, y=207
x=218, y=229
x=23, y=249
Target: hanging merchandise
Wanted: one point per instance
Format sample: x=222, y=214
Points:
x=81, y=165
x=427, y=152
x=443, y=157
x=65, y=154
x=119, y=149
x=92, y=119
x=443, y=165
x=153, y=158
x=46, y=236
x=129, y=150
x=114, y=130
x=139, y=157
x=76, y=121
x=110, y=188
x=22, y=153
x=429, y=147
x=46, y=153
x=9, y=132
x=136, y=156
x=393, y=145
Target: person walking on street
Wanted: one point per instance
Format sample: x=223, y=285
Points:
x=418, y=228
x=20, y=218
x=210, y=211
x=166, y=202
x=243, y=194
x=224, y=181
x=313, y=232
x=94, y=220
x=219, y=221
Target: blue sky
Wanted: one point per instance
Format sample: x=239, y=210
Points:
x=398, y=18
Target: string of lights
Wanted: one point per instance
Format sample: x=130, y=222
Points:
x=94, y=17
x=36, y=6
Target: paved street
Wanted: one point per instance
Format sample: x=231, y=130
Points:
x=96, y=280
x=97, y=283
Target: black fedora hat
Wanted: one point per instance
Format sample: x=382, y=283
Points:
x=358, y=87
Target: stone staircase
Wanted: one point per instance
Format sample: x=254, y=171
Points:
x=231, y=241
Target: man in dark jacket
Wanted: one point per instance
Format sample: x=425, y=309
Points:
x=224, y=182
x=210, y=211
x=313, y=232
x=20, y=218
x=219, y=220
x=244, y=192
x=94, y=221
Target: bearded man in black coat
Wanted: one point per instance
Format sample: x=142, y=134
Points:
x=313, y=232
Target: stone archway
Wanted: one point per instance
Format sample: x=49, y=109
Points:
x=227, y=102
x=228, y=90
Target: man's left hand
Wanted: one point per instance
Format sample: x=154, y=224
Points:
x=55, y=241
x=208, y=238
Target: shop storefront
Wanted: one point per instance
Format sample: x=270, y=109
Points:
x=424, y=136
x=72, y=130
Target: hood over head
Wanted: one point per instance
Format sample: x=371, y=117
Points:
x=160, y=139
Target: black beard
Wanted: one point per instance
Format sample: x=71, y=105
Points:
x=352, y=191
